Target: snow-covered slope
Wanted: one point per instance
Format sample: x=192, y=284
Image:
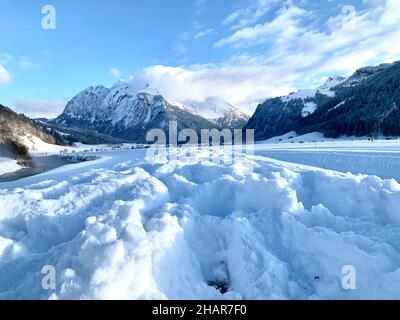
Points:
x=85, y=106
x=224, y=114
x=127, y=113
x=367, y=103
x=123, y=227
x=14, y=126
x=280, y=115
x=8, y=165
x=327, y=89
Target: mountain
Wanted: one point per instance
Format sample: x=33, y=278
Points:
x=14, y=130
x=69, y=136
x=223, y=114
x=125, y=113
x=365, y=104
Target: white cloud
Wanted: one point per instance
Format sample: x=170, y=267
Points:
x=293, y=42
x=116, y=73
x=296, y=54
x=285, y=24
x=26, y=65
x=200, y=6
x=5, y=58
x=180, y=48
x=293, y=38
x=5, y=76
x=40, y=108
x=203, y=33
x=250, y=14
x=242, y=85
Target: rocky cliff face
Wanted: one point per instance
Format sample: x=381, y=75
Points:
x=123, y=113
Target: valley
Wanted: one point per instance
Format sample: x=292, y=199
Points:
x=265, y=221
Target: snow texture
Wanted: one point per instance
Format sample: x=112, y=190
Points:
x=8, y=165
x=125, y=227
x=326, y=89
x=309, y=108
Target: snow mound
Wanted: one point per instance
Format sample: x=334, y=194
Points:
x=137, y=229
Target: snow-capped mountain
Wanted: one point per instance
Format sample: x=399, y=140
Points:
x=364, y=104
x=85, y=106
x=232, y=118
x=126, y=113
x=222, y=113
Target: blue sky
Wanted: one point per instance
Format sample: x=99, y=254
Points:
x=237, y=50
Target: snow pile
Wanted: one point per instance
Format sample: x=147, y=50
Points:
x=260, y=228
x=8, y=165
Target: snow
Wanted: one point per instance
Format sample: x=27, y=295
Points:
x=338, y=105
x=36, y=145
x=218, y=111
x=309, y=108
x=326, y=89
x=292, y=136
x=332, y=82
x=86, y=104
x=124, y=104
x=63, y=134
x=211, y=108
x=8, y=165
x=308, y=93
x=359, y=155
x=351, y=142
x=149, y=90
x=127, y=226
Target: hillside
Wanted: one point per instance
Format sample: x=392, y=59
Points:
x=365, y=104
x=14, y=127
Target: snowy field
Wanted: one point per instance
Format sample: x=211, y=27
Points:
x=124, y=227
x=356, y=155
x=8, y=165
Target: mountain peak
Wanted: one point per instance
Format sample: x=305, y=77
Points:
x=332, y=82
x=133, y=89
x=221, y=112
x=150, y=90
x=126, y=111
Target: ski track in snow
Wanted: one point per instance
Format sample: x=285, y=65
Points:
x=123, y=227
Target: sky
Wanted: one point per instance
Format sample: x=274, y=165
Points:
x=240, y=51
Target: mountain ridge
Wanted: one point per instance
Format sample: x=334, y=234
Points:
x=128, y=114
x=364, y=104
